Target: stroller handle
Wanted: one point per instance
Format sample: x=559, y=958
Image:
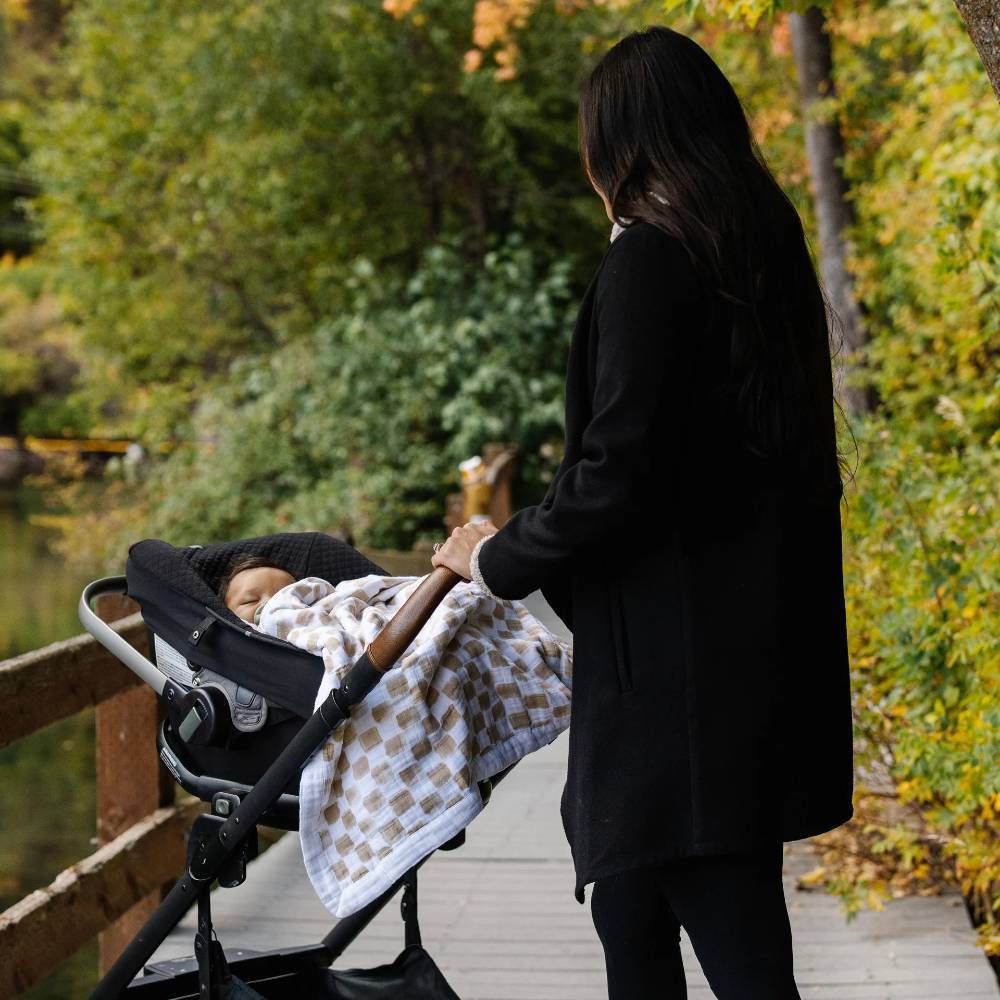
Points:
x=397, y=634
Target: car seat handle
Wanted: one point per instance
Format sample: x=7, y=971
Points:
x=397, y=634
x=107, y=635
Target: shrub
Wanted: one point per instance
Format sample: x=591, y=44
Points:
x=361, y=424
x=922, y=580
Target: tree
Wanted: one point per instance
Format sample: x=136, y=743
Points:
x=834, y=213
x=982, y=21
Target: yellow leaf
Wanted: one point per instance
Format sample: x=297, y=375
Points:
x=814, y=877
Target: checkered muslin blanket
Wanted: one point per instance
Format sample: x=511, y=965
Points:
x=483, y=684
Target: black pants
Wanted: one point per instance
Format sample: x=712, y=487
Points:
x=733, y=909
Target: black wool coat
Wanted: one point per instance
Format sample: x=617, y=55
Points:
x=711, y=695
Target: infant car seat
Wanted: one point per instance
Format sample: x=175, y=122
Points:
x=255, y=691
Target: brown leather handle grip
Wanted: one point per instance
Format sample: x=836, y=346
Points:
x=397, y=634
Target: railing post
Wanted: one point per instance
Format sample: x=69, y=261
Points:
x=131, y=783
x=500, y=459
x=486, y=487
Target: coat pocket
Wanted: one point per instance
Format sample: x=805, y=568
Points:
x=619, y=636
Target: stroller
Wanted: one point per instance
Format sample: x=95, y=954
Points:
x=238, y=728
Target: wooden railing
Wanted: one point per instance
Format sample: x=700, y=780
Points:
x=139, y=828
x=79, y=446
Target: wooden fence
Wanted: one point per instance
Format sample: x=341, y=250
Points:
x=140, y=831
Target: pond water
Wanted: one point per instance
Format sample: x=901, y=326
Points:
x=47, y=780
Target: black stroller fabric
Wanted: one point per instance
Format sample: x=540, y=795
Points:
x=176, y=590
x=236, y=989
x=411, y=976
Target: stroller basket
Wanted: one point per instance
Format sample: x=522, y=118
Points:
x=238, y=729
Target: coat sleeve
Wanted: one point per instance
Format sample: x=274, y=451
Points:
x=638, y=290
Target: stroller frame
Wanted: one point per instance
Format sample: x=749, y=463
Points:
x=224, y=840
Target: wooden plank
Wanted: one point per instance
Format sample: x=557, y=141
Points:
x=131, y=781
x=45, y=928
x=61, y=679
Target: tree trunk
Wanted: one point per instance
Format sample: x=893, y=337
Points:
x=982, y=20
x=834, y=213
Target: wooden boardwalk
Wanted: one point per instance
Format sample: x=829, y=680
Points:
x=499, y=916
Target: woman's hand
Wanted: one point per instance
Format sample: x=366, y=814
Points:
x=456, y=552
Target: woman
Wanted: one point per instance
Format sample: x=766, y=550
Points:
x=691, y=539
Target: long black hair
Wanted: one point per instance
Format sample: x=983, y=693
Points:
x=665, y=137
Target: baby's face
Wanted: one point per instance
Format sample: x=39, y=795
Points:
x=251, y=587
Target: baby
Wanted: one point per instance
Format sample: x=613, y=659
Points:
x=248, y=585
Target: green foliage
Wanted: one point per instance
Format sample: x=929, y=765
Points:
x=922, y=567
x=922, y=127
x=210, y=170
x=360, y=425
x=923, y=134
x=39, y=359
x=748, y=12
x=28, y=34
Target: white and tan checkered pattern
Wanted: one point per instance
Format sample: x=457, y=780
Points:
x=483, y=684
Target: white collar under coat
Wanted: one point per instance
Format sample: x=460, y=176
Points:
x=617, y=230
